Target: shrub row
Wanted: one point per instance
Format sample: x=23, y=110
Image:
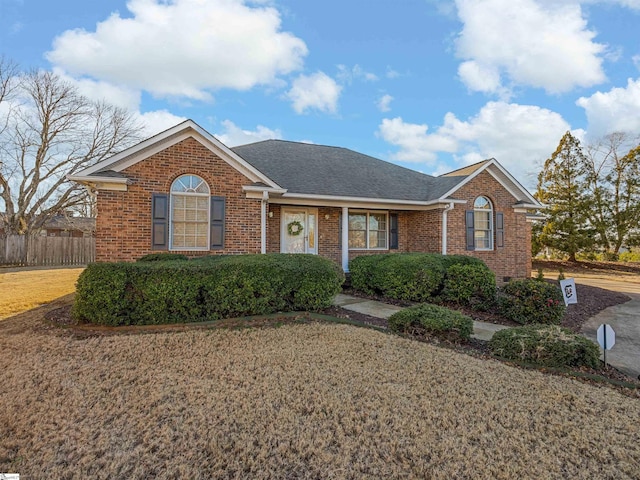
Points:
x=210, y=288
x=548, y=345
x=423, y=277
x=432, y=320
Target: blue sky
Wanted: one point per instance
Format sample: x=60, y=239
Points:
x=431, y=85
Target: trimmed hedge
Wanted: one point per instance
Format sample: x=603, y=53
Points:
x=470, y=284
x=162, y=257
x=530, y=301
x=423, y=277
x=431, y=320
x=208, y=288
x=548, y=345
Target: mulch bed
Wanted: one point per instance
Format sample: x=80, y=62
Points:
x=586, y=266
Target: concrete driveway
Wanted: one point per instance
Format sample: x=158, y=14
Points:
x=623, y=318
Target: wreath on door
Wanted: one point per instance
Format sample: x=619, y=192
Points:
x=294, y=228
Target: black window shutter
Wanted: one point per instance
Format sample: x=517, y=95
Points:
x=340, y=230
x=393, y=231
x=471, y=244
x=217, y=222
x=499, y=229
x=159, y=221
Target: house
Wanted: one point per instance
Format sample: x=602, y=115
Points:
x=184, y=191
x=64, y=226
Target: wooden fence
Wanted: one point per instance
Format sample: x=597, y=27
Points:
x=36, y=251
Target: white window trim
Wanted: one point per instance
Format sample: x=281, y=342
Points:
x=194, y=194
x=491, y=223
x=367, y=213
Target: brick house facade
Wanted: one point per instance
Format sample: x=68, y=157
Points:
x=279, y=196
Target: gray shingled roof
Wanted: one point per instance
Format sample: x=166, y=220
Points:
x=321, y=170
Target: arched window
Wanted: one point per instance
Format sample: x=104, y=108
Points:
x=190, y=204
x=483, y=223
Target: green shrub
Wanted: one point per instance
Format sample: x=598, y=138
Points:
x=529, y=301
x=361, y=272
x=204, y=289
x=162, y=257
x=471, y=284
x=431, y=320
x=404, y=276
x=629, y=257
x=547, y=345
x=411, y=276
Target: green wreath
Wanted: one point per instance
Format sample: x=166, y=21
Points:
x=294, y=228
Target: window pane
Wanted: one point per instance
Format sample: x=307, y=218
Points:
x=482, y=220
x=357, y=222
x=357, y=239
x=482, y=239
x=378, y=239
x=377, y=221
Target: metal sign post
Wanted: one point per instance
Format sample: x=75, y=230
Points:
x=606, y=339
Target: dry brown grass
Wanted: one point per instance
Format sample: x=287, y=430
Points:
x=24, y=290
x=300, y=401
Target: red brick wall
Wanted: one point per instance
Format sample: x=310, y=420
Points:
x=514, y=259
x=124, y=218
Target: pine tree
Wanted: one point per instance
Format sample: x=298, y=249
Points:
x=561, y=186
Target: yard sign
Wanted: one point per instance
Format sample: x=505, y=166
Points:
x=568, y=287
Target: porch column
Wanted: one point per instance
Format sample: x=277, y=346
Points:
x=263, y=222
x=345, y=239
x=447, y=209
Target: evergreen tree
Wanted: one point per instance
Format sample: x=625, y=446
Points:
x=562, y=187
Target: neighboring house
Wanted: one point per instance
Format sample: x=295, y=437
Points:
x=184, y=191
x=65, y=226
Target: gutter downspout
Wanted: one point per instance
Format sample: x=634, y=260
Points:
x=444, y=227
x=263, y=222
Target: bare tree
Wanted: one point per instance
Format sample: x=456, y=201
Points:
x=613, y=181
x=50, y=131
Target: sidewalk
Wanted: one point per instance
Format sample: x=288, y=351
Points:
x=481, y=330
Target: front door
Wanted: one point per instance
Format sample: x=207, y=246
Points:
x=299, y=227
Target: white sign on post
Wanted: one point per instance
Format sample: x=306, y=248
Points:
x=606, y=336
x=568, y=287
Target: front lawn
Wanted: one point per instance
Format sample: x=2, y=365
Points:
x=26, y=289
x=300, y=401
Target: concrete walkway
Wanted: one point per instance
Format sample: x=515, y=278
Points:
x=481, y=330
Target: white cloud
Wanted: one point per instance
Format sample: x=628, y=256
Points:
x=617, y=110
x=384, y=103
x=157, y=121
x=391, y=73
x=520, y=137
x=317, y=91
x=416, y=145
x=508, y=43
x=348, y=75
x=183, y=47
x=98, y=90
x=232, y=135
x=152, y=122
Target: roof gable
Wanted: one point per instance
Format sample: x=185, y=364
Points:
x=111, y=168
x=496, y=170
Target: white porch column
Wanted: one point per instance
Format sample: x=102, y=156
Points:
x=263, y=222
x=444, y=227
x=345, y=239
